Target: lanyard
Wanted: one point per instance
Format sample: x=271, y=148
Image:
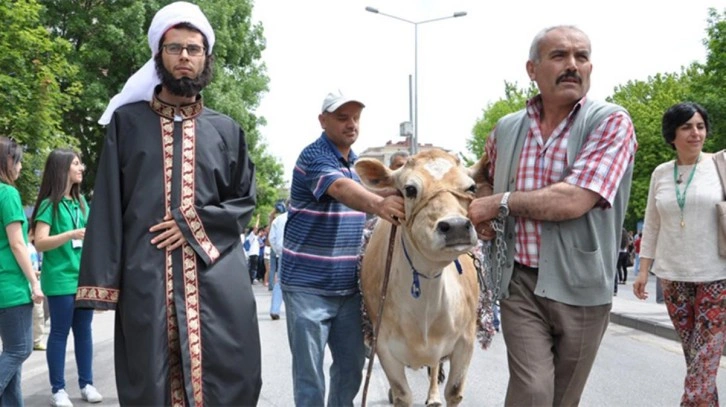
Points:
x=75, y=215
x=681, y=198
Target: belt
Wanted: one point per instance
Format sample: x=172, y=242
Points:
x=526, y=268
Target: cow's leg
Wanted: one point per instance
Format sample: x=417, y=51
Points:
x=434, y=398
x=459, y=365
x=396, y=374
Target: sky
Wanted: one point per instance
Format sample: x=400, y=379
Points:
x=317, y=46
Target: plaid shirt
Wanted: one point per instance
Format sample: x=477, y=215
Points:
x=599, y=166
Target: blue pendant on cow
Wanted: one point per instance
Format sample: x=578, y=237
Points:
x=458, y=267
x=415, y=286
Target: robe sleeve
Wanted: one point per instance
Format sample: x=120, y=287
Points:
x=213, y=229
x=101, y=260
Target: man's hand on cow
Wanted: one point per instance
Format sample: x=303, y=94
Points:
x=392, y=209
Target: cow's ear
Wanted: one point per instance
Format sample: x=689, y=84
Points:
x=373, y=173
x=479, y=172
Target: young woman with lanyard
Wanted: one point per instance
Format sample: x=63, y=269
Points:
x=16, y=296
x=59, y=222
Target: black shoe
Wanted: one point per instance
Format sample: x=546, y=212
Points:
x=274, y=317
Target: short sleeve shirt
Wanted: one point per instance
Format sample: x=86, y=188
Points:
x=60, y=265
x=14, y=287
x=322, y=235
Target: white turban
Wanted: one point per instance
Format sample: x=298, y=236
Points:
x=140, y=86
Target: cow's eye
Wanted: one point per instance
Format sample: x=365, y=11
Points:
x=471, y=189
x=411, y=192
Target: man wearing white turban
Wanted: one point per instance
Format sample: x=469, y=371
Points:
x=174, y=189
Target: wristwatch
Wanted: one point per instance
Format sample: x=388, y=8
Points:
x=504, y=205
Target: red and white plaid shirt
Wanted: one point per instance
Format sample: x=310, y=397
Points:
x=599, y=166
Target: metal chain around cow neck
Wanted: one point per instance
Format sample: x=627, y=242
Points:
x=681, y=197
x=494, y=265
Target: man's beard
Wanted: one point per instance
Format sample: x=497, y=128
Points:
x=186, y=87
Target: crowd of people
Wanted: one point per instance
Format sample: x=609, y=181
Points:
x=162, y=241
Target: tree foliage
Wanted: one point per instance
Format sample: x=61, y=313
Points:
x=646, y=101
x=708, y=89
x=109, y=40
x=514, y=99
x=33, y=71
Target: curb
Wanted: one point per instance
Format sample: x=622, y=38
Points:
x=651, y=327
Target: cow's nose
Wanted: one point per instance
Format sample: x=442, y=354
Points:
x=455, y=230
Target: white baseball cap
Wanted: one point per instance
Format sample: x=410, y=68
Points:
x=334, y=100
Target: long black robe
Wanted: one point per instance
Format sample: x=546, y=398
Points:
x=186, y=323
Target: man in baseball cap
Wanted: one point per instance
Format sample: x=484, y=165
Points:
x=318, y=275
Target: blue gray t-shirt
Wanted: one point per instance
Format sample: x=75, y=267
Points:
x=322, y=236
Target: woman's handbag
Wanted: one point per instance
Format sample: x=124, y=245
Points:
x=720, y=159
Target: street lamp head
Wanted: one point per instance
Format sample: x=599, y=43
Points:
x=372, y=9
x=460, y=14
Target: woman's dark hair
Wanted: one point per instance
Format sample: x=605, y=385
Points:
x=678, y=114
x=55, y=179
x=10, y=154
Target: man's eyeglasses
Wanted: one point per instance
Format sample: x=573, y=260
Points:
x=175, y=49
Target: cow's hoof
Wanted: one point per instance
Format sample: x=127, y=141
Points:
x=433, y=403
x=390, y=396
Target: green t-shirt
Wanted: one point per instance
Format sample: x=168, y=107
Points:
x=14, y=287
x=59, y=275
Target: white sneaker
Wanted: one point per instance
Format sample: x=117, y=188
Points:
x=90, y=394
x=60, y=399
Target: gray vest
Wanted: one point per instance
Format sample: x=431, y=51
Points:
x=577, y=257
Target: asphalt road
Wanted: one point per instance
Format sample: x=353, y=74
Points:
x=633, y=368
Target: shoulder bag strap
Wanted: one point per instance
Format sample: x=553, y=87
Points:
x=720, y=159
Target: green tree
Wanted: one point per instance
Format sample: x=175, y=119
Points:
x=33, y=70
x=110, y=44
x=708, y=88
x=646, y=101
x=514, y=100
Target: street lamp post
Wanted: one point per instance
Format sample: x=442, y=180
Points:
x=414, y=139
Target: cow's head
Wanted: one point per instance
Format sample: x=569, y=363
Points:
x=437, y=189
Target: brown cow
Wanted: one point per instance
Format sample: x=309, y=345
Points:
x=431, y=306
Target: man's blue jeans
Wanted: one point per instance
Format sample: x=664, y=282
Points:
x=276, y=301
x=63, y=317
x=312, y=322
x=273, y=270
x=16, y=333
